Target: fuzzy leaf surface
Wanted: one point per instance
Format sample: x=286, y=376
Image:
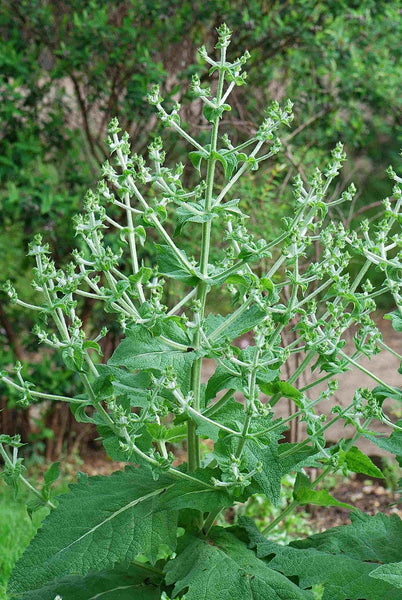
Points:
x=122, y=583
x=224, y=379
x=341, y=558
x=305, y=495
x=223, y=568
x=101, y=521
x=134, y=387
x=105, y=520
x=171, y=266
x=140, y=350
x=358, y=462
x=391, y=573
x=367, y=538
x=233, y=326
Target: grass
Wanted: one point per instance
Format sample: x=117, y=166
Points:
x=16, y=530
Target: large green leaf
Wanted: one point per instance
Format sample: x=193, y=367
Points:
x=222, y=379
x=171, y=266
x=102, y=521
x=223, y=568
x=234, y=325
x=140, y=350
x=124, y=582
x=341, y=558
x=268, y=480
x=375, y=539
x=106, y=520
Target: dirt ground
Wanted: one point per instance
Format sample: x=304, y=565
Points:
x=368, y=496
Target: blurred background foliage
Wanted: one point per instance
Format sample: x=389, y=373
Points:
x=68, y=67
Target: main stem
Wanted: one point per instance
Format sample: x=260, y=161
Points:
x=193, y=446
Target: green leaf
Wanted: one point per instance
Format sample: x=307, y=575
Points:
x=173, y=329
x=304, y=457
x=391, y=573
x=392, y=444
x=230, y=164
x=223, y=379
x=173, y=434
x=381, y=393
x=233, y=327
x=231, y=415
x=284, y=389
x=223, y=568
x=305, y=495
x=170, y=265
x=113, y=448
x=143, y=276
x=141, y=351
x=195, y=214
x=341, y=558
x=199, y=495
x=124, y=582
x=212, y=112
x=374, y=539
x=196, y=158
x=101, y=521
x=52, y=474
x=135, y=387
x=358, y=462
x=268, y=481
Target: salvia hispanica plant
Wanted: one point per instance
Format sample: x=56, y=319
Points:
x=149, y=531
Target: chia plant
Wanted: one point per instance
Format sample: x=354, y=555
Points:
x=149, y=531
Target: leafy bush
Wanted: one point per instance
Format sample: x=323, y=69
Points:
x=148, y=531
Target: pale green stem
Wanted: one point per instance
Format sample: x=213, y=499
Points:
x=305, y=442
x=131, y=236
x=237, y=176
x=391, y=350
x=52, y=397
x=183, y=133
x=210, y=520
x=182, y=302
x=27, y=305
x=193, y=448
x=251, y=406
x=219, y=404
x=366, y=371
